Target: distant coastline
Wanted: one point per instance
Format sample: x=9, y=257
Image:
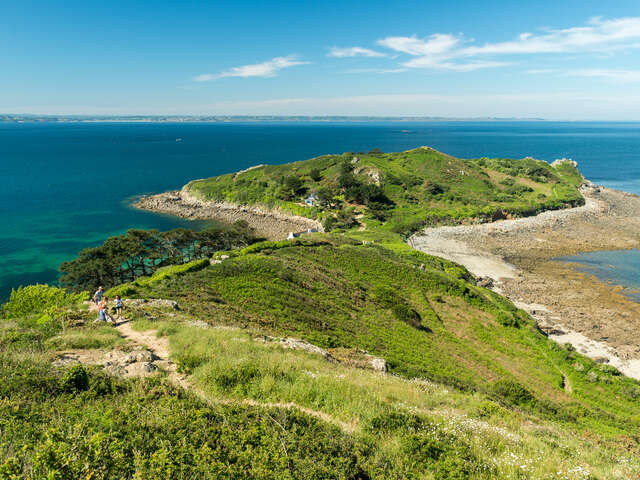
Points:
x=34, y=118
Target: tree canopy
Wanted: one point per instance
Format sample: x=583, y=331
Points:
x=123, y=258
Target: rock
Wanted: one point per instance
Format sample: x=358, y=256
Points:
x=153, y=302
x=378, y=364
x=561, y=161
x=141, y=369
x=548, y=329
x=601, y=359
x=296, y=344
x=485, y=282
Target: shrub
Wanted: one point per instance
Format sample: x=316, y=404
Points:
x=75, y=380
x=315, y=175
x=407, y=315
x=432, y=188
x=35, y=299
x=511, y=392
x=509, y=182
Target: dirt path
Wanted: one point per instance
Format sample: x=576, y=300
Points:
x=159, y=346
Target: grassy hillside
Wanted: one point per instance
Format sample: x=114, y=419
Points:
x=421, y=313
x=474, y=391
x=401, y=191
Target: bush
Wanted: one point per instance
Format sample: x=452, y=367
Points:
x=315, y=175
x=511, y=392
x=75, y=380
x=432, y=188
x=35, y=299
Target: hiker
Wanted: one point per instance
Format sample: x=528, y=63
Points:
x=119, y=306
x=98, y=295
x=103, y=309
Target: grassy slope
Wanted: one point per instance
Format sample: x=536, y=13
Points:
x=427, y=323
x=332, y=292
x=465, y=188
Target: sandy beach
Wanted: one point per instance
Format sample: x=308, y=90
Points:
x=271, y=224
x=569, y=306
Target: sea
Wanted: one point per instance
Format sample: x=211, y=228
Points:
x=68, y=186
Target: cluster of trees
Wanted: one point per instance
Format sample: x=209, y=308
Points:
x=123, y=258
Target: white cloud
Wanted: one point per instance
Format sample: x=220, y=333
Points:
x=436, y=44
x=269, y=68
x=597, y=36
x=454, y=52
x=204, y=77
x=338, y=52
x=626, y=76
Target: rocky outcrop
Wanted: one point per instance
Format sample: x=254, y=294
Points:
x=562, y=161
x=350, y=357
x=295, y=344
x=138, y=362
x=153, y=302
x=270, y=223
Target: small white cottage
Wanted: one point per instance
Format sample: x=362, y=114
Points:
x=311, y=200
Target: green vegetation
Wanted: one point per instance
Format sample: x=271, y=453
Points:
x=474, y=391
x=124, y=258
x=421, y=313
x=400, y=192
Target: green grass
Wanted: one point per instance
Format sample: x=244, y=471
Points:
x=104, y=336
x=474, y=390
x=419, y=312
x=423, y=186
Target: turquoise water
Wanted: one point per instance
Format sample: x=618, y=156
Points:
x=64, y=187
x=618, y=267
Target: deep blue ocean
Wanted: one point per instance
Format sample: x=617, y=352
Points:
x=67, y=186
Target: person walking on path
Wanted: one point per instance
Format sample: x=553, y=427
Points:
x=119, y=306
x=103, y=311
x=97, y=297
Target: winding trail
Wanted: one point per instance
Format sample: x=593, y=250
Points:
x=159, y=346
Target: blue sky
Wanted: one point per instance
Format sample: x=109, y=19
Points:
x=552, y=59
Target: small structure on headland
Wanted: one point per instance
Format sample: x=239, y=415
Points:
x=293, y=235
x=311, y=200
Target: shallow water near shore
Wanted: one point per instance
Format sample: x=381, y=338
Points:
x=64, y=186
x=616, y=267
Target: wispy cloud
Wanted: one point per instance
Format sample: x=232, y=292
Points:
x=626, y=76
x=564, y=105
x=269, y=68
x=445, y=51
x=338, y=52
x=597, y=35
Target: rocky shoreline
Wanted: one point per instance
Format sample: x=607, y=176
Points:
x=271, y=224
x=520, y=258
